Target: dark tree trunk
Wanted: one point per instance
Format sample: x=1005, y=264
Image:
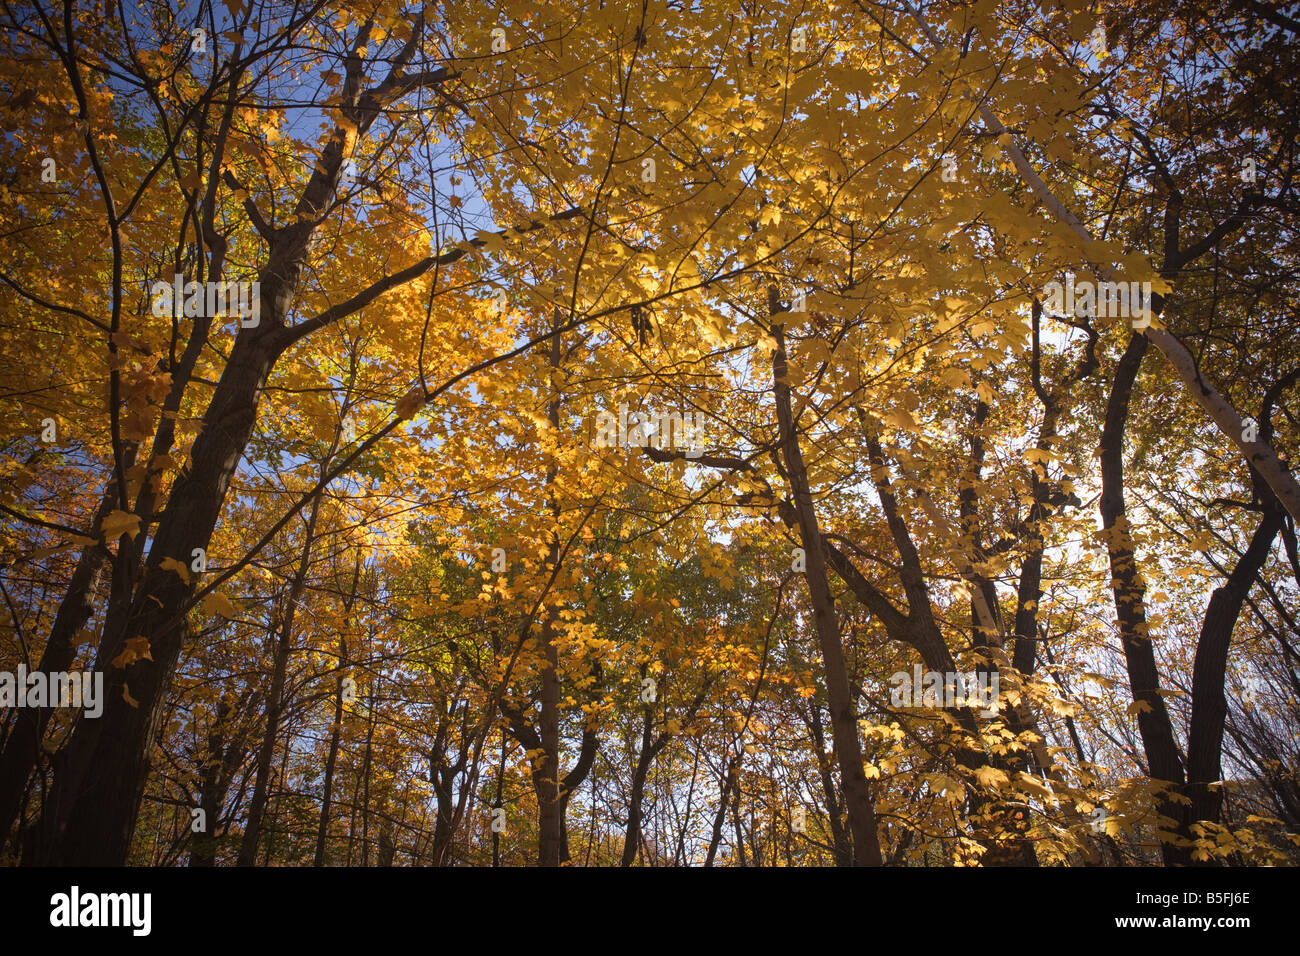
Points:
x=89, y=816
x=646, y=757
x=275, y=699
x=1154, y=725
x=23, y=744
x=331, y=761
x=844, y=736
x=1209, y=706
x=729, y=781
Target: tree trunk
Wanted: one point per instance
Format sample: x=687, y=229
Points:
x=840, y=839
x=23, y=744
x=211, y=790
x=645, y=758
x=89, y=816
x=365, y=781
x=327, y=785
x=1163, y=760
x=275, y=699
x=550, y=825
x=1209, y=706
x=729, y=780
x=549, y=838
x=844, y=735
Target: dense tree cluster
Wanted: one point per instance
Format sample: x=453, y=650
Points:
x=660, y=432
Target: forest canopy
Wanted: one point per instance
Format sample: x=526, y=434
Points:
x=653, y=432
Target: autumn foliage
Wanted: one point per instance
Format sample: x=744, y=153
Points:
x=613, y=404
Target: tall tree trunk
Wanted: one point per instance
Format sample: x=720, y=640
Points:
x=549, y=837
x=1154, y=725
x=336, y=728
x=331, y=760
x=275, y=699
x=211, y=789
x=645, y=758
x=365, y=780
x=550, y=825
x=266, y=749
x=735, y=827
x=442, y=827
x=839, y=839
x=572, y=781
x=23, y=745
x=844, y=735
x=729, y=779
x=1209, y=706
x=89, y=817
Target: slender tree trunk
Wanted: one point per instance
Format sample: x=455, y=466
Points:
x=336, y=728
x=266, y=750
x=840, y=839
x=735, y=827
x=1209, y=706
x=720, y=817
x=442, y=828
x=211, y=790
x=848, y=751
x=550, y=824
x=1154, y=725
x=365, y=781
x=275, y=700
x=645, y=758
x=331, y=760
x=548, y=777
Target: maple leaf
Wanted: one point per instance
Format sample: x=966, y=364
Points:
x=171, y=564
x=117, y=523
x=137, y=648
x=991, y=777
x=218, y=603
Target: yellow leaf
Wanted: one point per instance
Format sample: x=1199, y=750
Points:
x=171, y=564
x=901, y=418
x=119, y=523
x=991, y=777
x=1035, y=787
x=218, y=603
x=954, y=377
x=137, y=648
x=126, y=696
